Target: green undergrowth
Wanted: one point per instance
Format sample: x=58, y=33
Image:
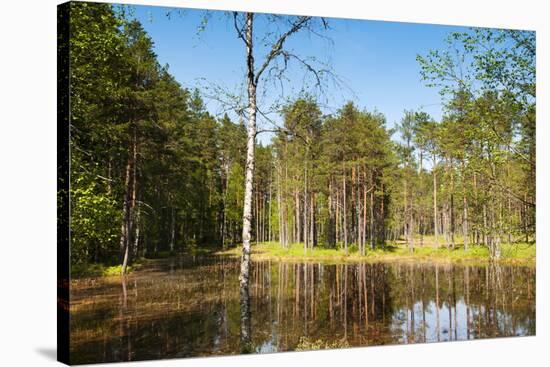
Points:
x=188, y=251
x=102, y=270
x=108, y=270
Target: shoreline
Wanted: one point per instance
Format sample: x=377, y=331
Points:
x=516, y=254
x=520, y=254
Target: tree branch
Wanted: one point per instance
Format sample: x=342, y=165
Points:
x=278, y=46
x=238, y=29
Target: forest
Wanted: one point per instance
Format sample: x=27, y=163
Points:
x=155, y=174
x=281, y=221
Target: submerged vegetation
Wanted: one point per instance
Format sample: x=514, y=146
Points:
x=308, y=344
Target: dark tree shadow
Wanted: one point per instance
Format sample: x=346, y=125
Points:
x=389, y=248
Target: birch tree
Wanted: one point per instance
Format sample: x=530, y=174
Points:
x=271, y=67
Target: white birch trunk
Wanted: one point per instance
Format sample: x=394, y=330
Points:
x=249, y=175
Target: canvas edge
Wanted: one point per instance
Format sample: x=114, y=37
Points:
x=63, y=200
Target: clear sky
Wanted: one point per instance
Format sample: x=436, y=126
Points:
x=377, y=60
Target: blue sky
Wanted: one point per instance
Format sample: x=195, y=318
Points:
x=376, y=60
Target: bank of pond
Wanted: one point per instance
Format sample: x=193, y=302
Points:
x=189, y=306
x=517, y=253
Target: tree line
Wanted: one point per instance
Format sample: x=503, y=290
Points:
x=153, y=172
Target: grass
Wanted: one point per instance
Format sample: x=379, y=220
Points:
x=518, y=253
x=189, y=250
x=106, y=270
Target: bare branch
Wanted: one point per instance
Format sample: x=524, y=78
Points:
x=278, y=45
x=228, y=100
x=238, y=28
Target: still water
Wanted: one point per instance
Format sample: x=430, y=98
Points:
x=190, y=307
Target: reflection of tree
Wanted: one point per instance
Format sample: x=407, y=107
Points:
x=194, y=309
x=246, y=332
x=332, y=301
x=445, y=302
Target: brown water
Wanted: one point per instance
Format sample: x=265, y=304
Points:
x=190, y=307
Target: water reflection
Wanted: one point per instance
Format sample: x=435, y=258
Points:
x=190, y=307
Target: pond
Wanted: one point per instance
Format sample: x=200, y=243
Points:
x=188, y=307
